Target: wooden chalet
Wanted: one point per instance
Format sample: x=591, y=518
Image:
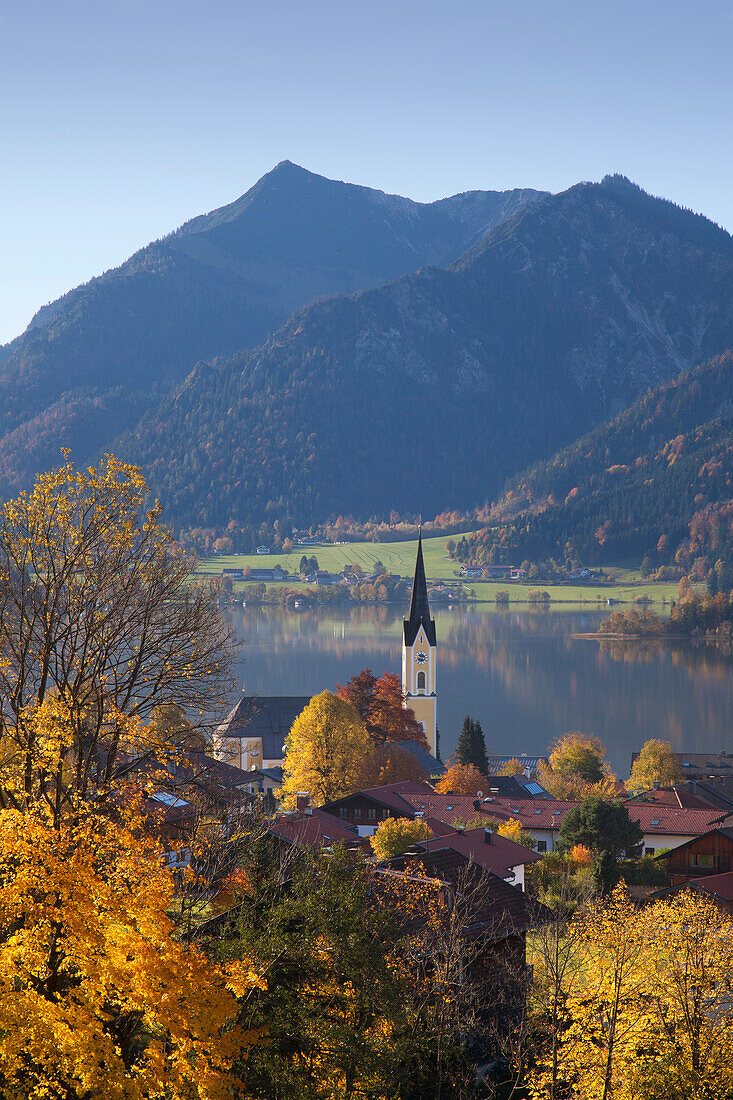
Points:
x=703, y=856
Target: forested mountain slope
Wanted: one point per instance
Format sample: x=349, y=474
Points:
x=90, y=364
x=657, y=480
x=427, y=393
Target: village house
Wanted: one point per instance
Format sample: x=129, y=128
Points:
x=662, y=826
x=530, y=764
x=276, y=573
x=489, y=850
x=316, y=830
x=485, y=928
x=709, y=853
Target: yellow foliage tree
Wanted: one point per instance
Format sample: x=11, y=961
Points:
x=656, y=763
x=326, y=751
x=461, y=779
x=512, y=767
x=96, y=612
x=643, y=1007
x=97, y=999
x=395, y=835
x=514, y=830
x=577, y=769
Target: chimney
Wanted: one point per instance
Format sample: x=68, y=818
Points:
x=302, y=803
x=488, y=836
x=477, y=804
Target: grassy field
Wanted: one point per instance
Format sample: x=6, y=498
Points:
x=399, y=558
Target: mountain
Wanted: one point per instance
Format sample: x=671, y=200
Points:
x=655, y=480
x=92, y=363
x=427, y=393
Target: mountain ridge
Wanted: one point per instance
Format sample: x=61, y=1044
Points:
x=561, y=316
x=218, y=284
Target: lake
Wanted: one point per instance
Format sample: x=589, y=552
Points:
x=521, y=673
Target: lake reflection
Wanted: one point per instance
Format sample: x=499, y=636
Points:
x=520, y=672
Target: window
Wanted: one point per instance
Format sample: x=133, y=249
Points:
x=372, y=813
x=421, y=681
x=357, y=813
x=541, y=845
x=701, y=859
x=343, y=812
x=649, y=851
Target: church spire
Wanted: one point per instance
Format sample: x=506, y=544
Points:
x=419, y=606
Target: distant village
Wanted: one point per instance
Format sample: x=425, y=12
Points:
x=516, y=823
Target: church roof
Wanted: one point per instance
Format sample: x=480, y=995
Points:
x=268, y=717
x=419, y=606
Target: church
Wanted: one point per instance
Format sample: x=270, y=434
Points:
x=253, y=734
x=419, y=656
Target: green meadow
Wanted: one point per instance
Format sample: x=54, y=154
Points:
x=399, y=558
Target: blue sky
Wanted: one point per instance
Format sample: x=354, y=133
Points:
x=119, y=120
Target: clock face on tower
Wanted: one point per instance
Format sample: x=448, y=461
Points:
x=421, y=658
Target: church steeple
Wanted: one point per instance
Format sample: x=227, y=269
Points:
x=419, y=606
x=419, y=654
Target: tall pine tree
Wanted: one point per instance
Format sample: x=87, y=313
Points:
x=480, y=758
x=471, y=747
x=465, y=742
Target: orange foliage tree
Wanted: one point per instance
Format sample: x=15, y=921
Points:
x=461, y=779
x=381, y=705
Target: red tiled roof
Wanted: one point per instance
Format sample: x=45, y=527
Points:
x=675, y=820
x=397, y=795
x=497, y=909
x=499, y=856
x=541, y=813
x=392, y=795
x=315, y=830
x=720, y=885
x=671, y=796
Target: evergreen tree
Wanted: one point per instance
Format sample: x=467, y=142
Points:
x=465, y=742
x=480, y=758
x=471, y=747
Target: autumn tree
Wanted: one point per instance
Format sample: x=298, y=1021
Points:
x=395, y=835
x=97, y=612
x=656, y=763
x=577, y=769
x=97, y=997
x=325, y=751
x=394, y=764
x=514, y=830
x=512, y=767
x=639, y=1005
x=349, y=1005
x=461, y=779
x=601, y=1007
x=685, y=1041
x=380, y=703
x=471, y=747
x=602, y=826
